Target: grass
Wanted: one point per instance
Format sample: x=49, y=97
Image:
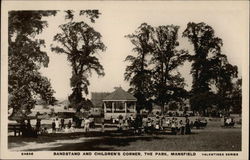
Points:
x=212, y=138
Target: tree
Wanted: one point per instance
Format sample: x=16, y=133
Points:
x=168, y=85
x=236, y=96
x=224, y=83
x=80, y=42
x=25, y=59
x=209, y=67
x=137, y=72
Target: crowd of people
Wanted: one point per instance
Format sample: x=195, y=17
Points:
x=152, y=124
x=61, y=126
x=57, y=126
x=27, y=130
x=139, y=124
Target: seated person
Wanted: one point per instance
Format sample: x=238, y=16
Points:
x=66, y=130
x=173, y=127
x=196, y=124
x=168, y=122
x=228, y=121
x=44, y=131
x=232, y=122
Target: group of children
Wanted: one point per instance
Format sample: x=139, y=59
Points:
x=151, y=124
x=139, y=124
x=164, y=124
x=58, y=126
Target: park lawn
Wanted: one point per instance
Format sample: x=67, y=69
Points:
x=212, y=138
x=227, y=140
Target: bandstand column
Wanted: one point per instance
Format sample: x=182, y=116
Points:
x=113, y=107
x=135, y=107
x=125, y=105
x=105, y=108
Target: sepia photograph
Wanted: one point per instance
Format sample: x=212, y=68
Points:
x=125, y=79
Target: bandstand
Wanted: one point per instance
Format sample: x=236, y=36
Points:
x=119, y=103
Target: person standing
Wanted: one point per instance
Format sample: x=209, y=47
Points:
x=168, y=122
x=103, y=125
x=38, y=125
x=120, y=123
x=53, y=126
x=149, y=126
x=112, y=120
x=144, y=124
x=86, y=124
x=57, y=125
x=173, y=126
x=69, y=124
x=62, y=124
x=83, y=124
x=182, y=129
x=187, y=127
x=30, y=131
x=23, y=128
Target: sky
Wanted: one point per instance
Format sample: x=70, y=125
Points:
x=229, y=20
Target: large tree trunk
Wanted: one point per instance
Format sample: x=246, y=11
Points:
x=162, y=108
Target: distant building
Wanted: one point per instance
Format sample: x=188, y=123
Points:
x=115, y=104
x=97, y=97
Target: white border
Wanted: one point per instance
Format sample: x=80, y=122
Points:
x=61, y=5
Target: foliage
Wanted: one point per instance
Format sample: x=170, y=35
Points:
x=80, y=42
x=204, y=41
x=236, y=96
x=25, y=59
x=28, y=23
x=91, y=14
x=209, y=67
x=151, y=72
x=137, y=73
x=167, y=85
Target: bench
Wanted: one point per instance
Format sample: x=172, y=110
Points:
x=230, y=125
x=16, y=128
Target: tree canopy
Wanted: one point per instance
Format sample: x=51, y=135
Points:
x=80, y=42
x=137, y=72
x=153, y=69
x=150, y=72
x=26, y=57
x=168, y=84
x=210, y=68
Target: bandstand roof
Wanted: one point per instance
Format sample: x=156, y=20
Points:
x=97, y=97
x=120, y=94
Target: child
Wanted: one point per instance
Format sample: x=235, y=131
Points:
x=86, y=125
x=103, y=126
x=53, y=126
x=182, y=129
x=149, y=124
x=44, y=131
x=62, y=124
x=187, y=127
x=69, y=124
x=168, y=122
x=66, y=130
x=173, y=126
x=57, y=125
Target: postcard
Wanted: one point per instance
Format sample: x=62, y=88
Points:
x=124, y=80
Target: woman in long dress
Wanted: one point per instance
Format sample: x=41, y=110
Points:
x=86, y=124
x=57, y=125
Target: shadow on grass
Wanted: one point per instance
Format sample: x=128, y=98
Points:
x=103, y=144
x=205, y=140
x=92, y=141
